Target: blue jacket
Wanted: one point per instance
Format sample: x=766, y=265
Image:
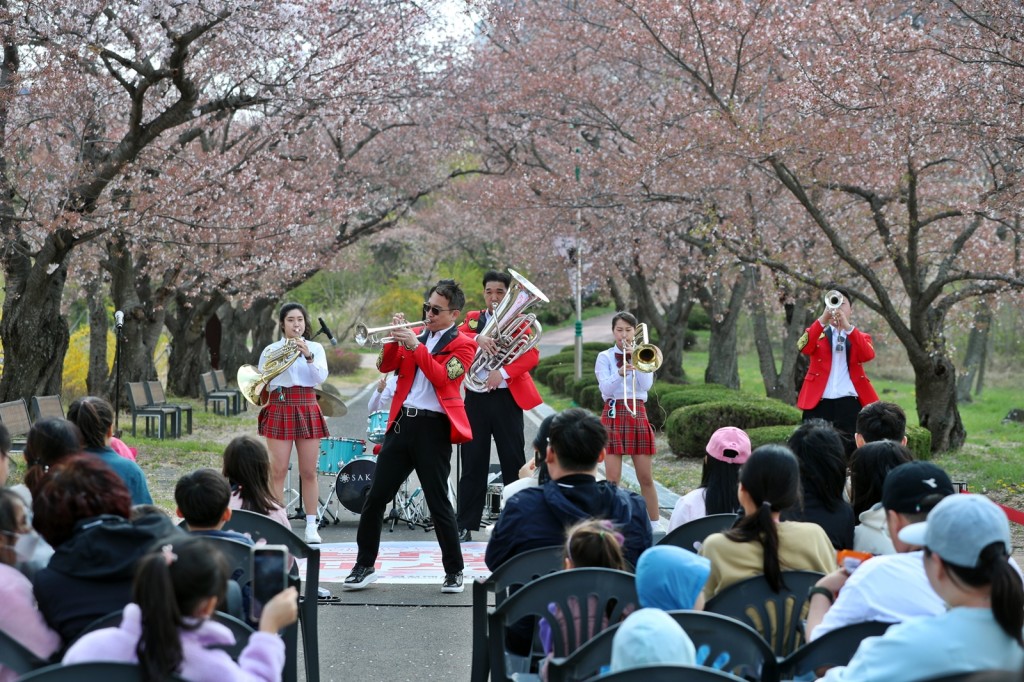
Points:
x=539, y=516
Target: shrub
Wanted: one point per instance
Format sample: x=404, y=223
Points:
x=563, y=359
x=695, y=394
x=590, y=398
x=557, y=378
x=765, y=435
x=342, y=361
x=919, y=440
x=690, y=428
x=578, y=386
x=656, y=414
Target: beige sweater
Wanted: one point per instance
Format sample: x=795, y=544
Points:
x=802, y=547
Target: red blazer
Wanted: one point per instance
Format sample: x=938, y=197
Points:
x=445, y=368
x=858, y=351
x=520, y=383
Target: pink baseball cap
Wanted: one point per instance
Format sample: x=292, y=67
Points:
x=729, y=444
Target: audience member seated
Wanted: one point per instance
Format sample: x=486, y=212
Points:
x=167, y=628
x=247, y=468
x=760, y=544
x=535, y=471
x=19, y=618
x=203, y=498
x=671, y=578
x=870, y=464
x=651, y=637
x=881, y=421
x=49, y=442
x=94, y=418
x=727, y=450
x=822, y=457
x=539, y=516
x=888, y=588
x=966, y=542
x=5, y=454
x=82, y=510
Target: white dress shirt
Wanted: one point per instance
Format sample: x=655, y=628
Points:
x=422, y=394
x=301, y=373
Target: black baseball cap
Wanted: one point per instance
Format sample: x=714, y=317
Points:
x=907, y=486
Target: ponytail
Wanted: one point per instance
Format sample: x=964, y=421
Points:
x=761, y=527
x=1007, y=592
x=171, y=583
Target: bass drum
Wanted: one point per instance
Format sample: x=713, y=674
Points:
x=354, y=481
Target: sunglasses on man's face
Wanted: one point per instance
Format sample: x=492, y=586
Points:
x=434, y=310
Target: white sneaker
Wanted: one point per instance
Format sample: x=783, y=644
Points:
x=657, y=527
x=312, y=536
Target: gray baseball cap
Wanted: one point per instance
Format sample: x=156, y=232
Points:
x=959, y=528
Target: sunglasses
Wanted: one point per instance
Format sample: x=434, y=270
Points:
x=433, y=309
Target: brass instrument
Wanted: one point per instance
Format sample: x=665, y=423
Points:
x=833, y=301
x=253, y=383
x=514, y=332
x=375, y=337
x=644, y=356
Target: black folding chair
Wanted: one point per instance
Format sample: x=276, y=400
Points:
x=834, y=648
x=691, y=535
x=668, y=673
x=14, y=656
x=90, y=672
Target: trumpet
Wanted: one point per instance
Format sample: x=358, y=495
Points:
x=833, y=301
x=644, y=356
x=378, y=336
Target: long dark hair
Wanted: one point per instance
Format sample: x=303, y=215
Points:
x=771, y=477
x=869, y=466
x=170, y=583
x=819, y=449
x=93, y=416
x=1007, y=592
x=49, y=441
x=719, y=481
x=247, y=467
x=307, y=332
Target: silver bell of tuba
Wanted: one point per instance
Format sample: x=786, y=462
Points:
x=514, y=332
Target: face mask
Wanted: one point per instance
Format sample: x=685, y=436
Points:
x=25, y=547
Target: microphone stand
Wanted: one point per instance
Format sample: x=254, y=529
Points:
x=117, y=380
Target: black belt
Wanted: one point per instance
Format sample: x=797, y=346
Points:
x=418, y=412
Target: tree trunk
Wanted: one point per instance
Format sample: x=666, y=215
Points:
x=935, y=387
x=99, y=369
x=780, y=384
x=33, y=330
x=723, y=362
x=238, y=323
x=974, y=358
x=189, y=356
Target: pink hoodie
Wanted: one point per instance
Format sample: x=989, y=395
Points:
x=262, y=659
x=20, y=618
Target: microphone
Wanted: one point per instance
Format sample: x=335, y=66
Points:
x=325, y=330
x=119, y=319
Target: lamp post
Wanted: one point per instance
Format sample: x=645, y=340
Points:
x=579, y=278
x=118, y=324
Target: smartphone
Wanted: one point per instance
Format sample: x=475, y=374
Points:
x=269, y=576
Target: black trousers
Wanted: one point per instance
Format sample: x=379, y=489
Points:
x=496, y=414
x=842, y=413
x=421, y=444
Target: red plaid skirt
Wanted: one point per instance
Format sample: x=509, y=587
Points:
x=292, y=413
x=628, y=434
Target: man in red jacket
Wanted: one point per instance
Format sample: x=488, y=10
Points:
x=427, y=416
x=836, y=386
x=497, y=412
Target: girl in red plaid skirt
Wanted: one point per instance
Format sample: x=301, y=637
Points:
x=292, y=414
x=628, y=433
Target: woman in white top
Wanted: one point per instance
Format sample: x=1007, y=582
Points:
x=292, y=415
x=628, y=433
x=727, y=450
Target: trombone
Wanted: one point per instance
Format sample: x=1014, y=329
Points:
x=378, y=336
x=644, y=356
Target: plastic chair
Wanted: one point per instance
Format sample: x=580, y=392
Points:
x=667, y=673
x=777, y=616
x=212, y=395
x=90, y=672
x=157, y=398
x=506, y=579
x=14, y=656
x=47, y=406
x=721, y=642
x=14, y=415
x=835, y=647
x=241, y=630
x=577, y=604
x=691, y=535
x=260, y=527
x=138, y=401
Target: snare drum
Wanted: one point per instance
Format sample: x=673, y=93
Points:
x=337, y=452
x=376, y=426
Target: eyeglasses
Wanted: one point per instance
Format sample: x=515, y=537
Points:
x=433, y=309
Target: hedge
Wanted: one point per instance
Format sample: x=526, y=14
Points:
x=690, y=428
x=919, y=440
x=588, y=346
x=578, y=386
x=590, y=398
x=657, y=415
x=558, y=377
x=766, y=435
x=695, y=394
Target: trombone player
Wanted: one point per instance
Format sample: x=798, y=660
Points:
x=496, y=411
x=836, y=386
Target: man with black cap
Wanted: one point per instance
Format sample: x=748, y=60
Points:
x=893, y=587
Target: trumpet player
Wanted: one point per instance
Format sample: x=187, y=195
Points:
x=427, y=416
x=836, y=386
x=496, y=412
x=629, y=432
x=292, y=414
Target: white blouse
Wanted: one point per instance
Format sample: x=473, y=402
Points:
x=611, y=383
x=301, y=373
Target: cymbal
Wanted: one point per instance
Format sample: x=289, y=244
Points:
x=329, y=404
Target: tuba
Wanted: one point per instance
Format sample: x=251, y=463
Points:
x=514, y=332
x=644, y=356
x=253, y=383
